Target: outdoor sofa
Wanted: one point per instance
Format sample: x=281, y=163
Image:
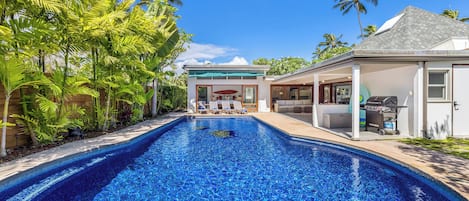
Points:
x=293, y=106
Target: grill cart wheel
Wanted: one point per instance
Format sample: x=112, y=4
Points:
x=382, y=132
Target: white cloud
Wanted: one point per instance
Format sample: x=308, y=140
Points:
x=205, y=51
x=236, y=61
x=198, y=54
x=181, y=63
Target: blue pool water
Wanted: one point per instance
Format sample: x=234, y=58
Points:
x=189, y=162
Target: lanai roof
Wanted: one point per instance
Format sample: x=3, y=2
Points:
x=211, y=67
x=209, y=70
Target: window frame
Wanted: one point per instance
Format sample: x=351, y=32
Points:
x=445, y=85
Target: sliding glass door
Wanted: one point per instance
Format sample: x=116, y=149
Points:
x=250, y=98
x=203, y=95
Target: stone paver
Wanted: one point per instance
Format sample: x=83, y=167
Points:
x=452, y=171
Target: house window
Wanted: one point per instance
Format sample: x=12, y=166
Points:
x=438, y=85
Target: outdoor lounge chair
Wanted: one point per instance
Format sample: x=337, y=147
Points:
x=238, y=107
x=225, y=105
x=201, y=107
x=213, y=107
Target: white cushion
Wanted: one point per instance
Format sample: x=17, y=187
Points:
x=307, y=102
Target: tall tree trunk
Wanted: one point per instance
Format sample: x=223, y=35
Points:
x=106, y=115
x=154, y=98
x=3, y=12
x=41, y=60
x=94, y=57
x=24, y=107
x=64, y=81
x=24, y=101
x=4, y=125
x=359, y=21
x=113, y=114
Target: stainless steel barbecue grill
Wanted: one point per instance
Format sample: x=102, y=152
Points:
x=381, y=113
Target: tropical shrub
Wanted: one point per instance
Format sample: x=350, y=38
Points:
x=108, y=51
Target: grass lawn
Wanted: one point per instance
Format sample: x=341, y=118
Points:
x=453, y=146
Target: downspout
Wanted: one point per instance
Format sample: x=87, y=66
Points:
x=425, y=98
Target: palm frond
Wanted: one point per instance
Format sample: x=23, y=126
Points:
x=5, y=33
x=465, y=19
x=148, y=95
x=49, y=5
x=46, y=105
x=125, y=5
x=12, y=75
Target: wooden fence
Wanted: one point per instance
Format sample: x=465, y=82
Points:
x=16, y=136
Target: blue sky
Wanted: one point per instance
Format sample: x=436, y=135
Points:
x=239, y=31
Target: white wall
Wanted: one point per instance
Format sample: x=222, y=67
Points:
x=263, y=90
x=227, y=87
x=191, y=95
x=439, y=121
x=439, y=113
x=264, y=95
x=330, y=108
x=457, y=43
x=396, y=82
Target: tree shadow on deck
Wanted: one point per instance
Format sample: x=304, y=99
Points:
x=454, y=170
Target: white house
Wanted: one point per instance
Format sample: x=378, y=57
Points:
x=246, y=83
x=418, y=56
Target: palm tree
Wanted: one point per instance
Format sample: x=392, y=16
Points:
x=454, y=14
x=12, y=78
x=346, y=5
x=317, y=53
x=331, y=42
x=369, y=30
x=25, y=33
x=168, y=42
x=175, y=2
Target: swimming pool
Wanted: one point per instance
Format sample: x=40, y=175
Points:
x=190, y=159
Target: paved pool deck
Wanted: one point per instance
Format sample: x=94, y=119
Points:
x=452, y=171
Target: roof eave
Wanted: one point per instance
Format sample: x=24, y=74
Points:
x=334, y=60
x=415, y=55
x=227, y=67
x=388, y=55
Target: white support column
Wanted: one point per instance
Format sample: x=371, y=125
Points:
x=418, y=98
x=355, y=101
x=191, y=95
x=315, y=100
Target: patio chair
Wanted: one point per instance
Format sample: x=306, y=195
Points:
x=238, y=107
x=201, y=107
x=226, y=107
x=213, y=107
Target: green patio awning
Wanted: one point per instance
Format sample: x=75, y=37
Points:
x=226, y=74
